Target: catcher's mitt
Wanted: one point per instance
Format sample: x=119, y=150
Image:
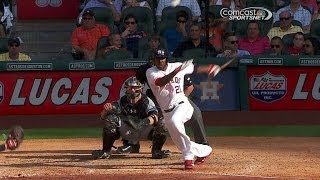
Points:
x=15, y=137
x=136, y=123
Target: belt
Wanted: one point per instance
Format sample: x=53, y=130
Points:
x=171, y=109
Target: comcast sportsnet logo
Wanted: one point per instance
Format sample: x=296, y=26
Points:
x=250, y=13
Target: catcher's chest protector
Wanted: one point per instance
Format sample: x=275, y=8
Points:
x=136, y=110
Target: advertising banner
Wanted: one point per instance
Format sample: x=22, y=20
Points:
x=59, y=92
x=284, y=88
x=48, y=9
x=218, y=94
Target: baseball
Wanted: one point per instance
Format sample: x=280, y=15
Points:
x=175, y=3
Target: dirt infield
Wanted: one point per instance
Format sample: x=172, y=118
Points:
x=233, y=158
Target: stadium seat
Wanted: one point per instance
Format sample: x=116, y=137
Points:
x=144, y=47
x=294, y=22
x=215, y=9
x=265, y=26
x=144, y=16
x=3, y=45
x=103, y=16
x=102, y=43
x=288, y=39
x=194, y=53
x=315, y=28
x=240, y=27
x=118, y=54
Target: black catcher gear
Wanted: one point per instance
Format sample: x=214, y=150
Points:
x=133, y=88
x=159, y=137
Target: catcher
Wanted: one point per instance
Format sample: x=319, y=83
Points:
x=134, y=117
x=13, y=139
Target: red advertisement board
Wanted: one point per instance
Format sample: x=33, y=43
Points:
x=59, y=92
x=48, y=9
x=284, y=88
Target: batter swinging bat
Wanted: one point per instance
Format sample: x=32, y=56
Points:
x=216, y=69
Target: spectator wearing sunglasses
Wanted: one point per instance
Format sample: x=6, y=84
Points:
x=297, y=47
x=311, y=46
x=84, y=38
x=277, y=47
x=174, y=36
x=298, y=13
x=14, y=53
x=285, y=26
x=132, y=35
x=231, y=49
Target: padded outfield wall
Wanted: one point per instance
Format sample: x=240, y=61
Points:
x=271, y=88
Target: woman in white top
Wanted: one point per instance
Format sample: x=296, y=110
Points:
x=232, y=4
x=133, y=3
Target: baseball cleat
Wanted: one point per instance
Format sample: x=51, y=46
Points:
x=160, y=154
x=101, y=154
x=201, y=160
x=126, y=149
x=188, y=164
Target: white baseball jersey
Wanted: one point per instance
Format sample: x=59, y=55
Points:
x=169, y=96
x=172, y=93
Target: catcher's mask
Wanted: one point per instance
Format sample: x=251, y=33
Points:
x=133, y=88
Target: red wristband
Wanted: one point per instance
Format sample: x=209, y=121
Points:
x=210, y=68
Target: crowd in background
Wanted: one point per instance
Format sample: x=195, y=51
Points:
x=133, y=28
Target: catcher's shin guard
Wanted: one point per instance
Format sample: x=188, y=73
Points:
x=159, y=137
x=110, y=135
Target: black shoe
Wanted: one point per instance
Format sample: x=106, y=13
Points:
x=130, y=148
x=158, y=154
x=101, y=154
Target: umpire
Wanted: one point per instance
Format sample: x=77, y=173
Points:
x=134, y=117
x=196, y=121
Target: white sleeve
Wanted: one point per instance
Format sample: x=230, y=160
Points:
x=160, y=7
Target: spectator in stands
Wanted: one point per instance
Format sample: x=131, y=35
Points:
x=84, y=38
x=153, y=44
x=231, y=49
x=254, y=42
x=174, y=36
x=135, y=3
x=312, y=6
x=285, y=26
x=232, y=4
x=131, y=34
x=298, y=13
x=194, y=41
x=216, y=30
x=102, y=3
x=114, y=42
x=311, y=46
x=193, y=5
x=2, y=30
x=297, y=47
x=277, y=47
x=14, y=53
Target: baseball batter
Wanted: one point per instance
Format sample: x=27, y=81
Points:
x=196, y=121
x=166, y=81
x=133, y=117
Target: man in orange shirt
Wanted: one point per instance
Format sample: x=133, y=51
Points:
x=84, y=38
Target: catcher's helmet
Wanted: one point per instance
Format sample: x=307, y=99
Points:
x=133, y=87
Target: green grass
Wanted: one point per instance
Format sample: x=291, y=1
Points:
x=272, y=131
